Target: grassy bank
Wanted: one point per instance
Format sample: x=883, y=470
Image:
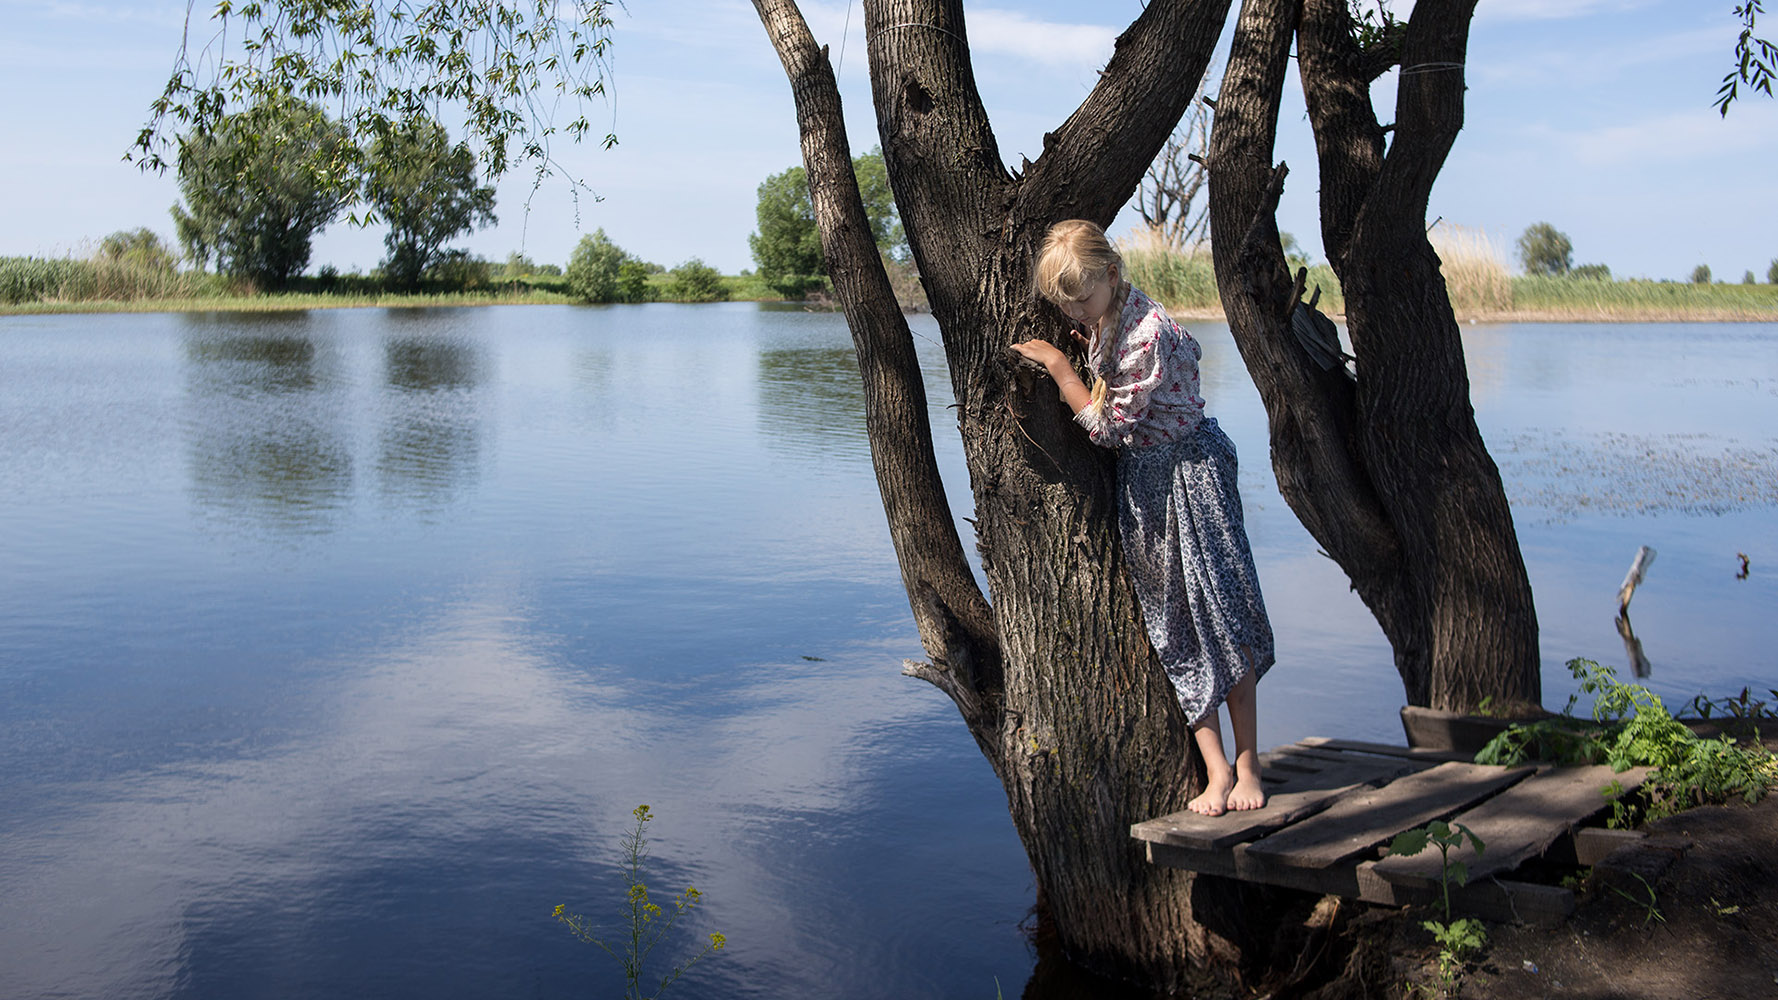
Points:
x=101, y=284
x=1482, y=290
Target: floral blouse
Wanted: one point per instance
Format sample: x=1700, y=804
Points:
x=1150, y=368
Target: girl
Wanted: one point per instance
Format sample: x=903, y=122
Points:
x=1179, y=513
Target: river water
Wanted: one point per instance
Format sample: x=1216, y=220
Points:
x=336, y=647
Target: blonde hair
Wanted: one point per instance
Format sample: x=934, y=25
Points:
x=1075, y=254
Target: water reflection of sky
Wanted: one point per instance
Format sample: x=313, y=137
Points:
x=336, y=647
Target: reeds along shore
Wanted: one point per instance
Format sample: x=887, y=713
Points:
x=1482, y=288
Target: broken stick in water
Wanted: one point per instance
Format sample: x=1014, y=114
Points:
x=1644, y=556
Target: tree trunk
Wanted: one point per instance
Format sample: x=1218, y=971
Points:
x=1387, y=470
x=1078, y=719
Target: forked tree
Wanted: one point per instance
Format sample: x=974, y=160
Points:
x=1054, y=677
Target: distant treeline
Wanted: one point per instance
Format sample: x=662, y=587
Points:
x=137, y=268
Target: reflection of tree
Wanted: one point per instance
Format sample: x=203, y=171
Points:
x=811, y=400
x=428, y=445
x=262, y=446
x=271, y=355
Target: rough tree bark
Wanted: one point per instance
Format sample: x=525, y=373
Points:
x=1060, y=689
x=1386, y=470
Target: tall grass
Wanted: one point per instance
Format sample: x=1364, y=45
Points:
x=1182, y=281
x=1479, y=283
x=1474, y=267
x=100, y=278
x=1637, y=299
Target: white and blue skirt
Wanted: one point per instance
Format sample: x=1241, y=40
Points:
x=1188, y=557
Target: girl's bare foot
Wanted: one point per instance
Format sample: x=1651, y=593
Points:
x=1214, y=800
x=1247, y=793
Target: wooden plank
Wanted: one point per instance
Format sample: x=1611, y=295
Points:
x=1386, y=749
x=1236, y=863
x=1518, y=824
x=1496, y=899
x=1507, y=901
x=1296, y=751
x=1466, y=734
x=1593, y=844
x=1294, y=797
x=1365, y=818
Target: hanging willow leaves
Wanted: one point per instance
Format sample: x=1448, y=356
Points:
x=508, y=71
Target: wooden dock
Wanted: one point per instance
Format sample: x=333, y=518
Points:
x=1334, y=805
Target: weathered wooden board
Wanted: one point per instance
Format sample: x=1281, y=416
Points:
x=1519, y=823
x=1593, y=844
x=1385, y=749
x=1295, y=788
x=1367, y=817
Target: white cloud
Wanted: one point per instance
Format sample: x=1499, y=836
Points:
x=991, y=32
x=1697, y=137
x=1009, y=33
x=1551, y=10
x=1581, y=61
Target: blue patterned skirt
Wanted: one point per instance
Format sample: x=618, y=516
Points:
x=1188, y=557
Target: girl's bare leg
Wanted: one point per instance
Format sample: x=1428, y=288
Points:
x=1214, y=800
x=1243, y=719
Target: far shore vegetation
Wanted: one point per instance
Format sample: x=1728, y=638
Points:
x=135, y=272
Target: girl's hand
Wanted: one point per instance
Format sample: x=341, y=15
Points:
x=1041, y=351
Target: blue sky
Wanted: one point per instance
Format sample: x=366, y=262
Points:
x=1593, y=115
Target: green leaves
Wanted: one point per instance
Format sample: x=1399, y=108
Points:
x=1543, y=250
x=787, y=245
x=1754, y=60
x=426, y=189
x=504, y=65
x=599, y=271
x=1631, y=727
x=260, y=185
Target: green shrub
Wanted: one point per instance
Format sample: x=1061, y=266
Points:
x=695, y=281
x=1543, y=250
x=1630, y=727
x=459, y=271
x=600, y=271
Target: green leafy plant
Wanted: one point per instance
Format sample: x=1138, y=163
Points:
x=647, y=921
x=1443, y=836
x=1740, y=709
x=1457, y=939
x=1631, y=727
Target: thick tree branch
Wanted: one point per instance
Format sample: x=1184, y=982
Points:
x=955, y=623
x=1313, y=412
x=1428, y=103
x=1146, y=87
x=1459, y=615
x=1348, y=139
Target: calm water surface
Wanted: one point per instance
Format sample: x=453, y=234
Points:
x=336, y=647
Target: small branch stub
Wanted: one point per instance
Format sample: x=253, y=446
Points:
x=1638, y=569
